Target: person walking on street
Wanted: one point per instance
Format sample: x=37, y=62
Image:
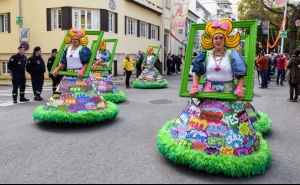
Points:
x=57, y=79
x=294, y=77
x=17, y=66
x=128, y=67
x=280, y=69
x=139, y=65
x=169, y=64
x=36, y=68
x=263, y=63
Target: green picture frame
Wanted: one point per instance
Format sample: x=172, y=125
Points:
x=250, y=44
x=94, y=51
x=112, y=54
x=156, y=54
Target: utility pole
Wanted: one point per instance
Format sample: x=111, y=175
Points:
x=283, y=27
x=163, y=39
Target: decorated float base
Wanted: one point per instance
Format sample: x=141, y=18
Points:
x=235, y=166
x=115, y=97
x=150, y=79
x=263, y=124
x=59, y=116
x=148, y=85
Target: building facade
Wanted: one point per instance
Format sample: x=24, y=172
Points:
x=136, y=24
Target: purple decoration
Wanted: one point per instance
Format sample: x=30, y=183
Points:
x=211, y=150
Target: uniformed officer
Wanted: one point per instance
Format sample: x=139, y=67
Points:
x=57, y=79
x=16, y=65
x=36, y=68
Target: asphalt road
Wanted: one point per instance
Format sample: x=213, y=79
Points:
x=124, y=150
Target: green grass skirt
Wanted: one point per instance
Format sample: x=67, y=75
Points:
x=253, y=164
x=115, y=98
x=263, y=124
x=148, y=85
x=58, y=116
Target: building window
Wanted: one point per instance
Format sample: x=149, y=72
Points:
x=154, y=32
x=223, y=6
x=5, y=69
x=131, y=27
x=57, y=19
x=3, y=23
x=111, y=22
x=144, y=30
x=168, y=3
x=224, y=16
x=86, y=19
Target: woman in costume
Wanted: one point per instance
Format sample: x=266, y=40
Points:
x=76, y=99
x=102, y=79
x=214, y=135
x=150, y=77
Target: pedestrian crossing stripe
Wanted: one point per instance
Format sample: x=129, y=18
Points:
x=8, y=92
x=5, y=104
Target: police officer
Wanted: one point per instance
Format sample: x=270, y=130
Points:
x=55, y=80
x=16, y=65
x=36, y=68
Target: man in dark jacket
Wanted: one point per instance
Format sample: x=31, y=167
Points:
x=139, y=65
x=57, y=79
x=36, y=68
x=16, y=65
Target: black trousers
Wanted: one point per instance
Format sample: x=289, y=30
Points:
x=169, y=69
x=37, y=81
x=138, y=72
x=18, y=80
x=55, y=81
x=293, y=87
x=128, y=74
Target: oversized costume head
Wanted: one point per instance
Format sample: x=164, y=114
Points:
x=223, y=27
x=80, y=33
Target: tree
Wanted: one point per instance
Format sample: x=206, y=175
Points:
x=262, y=10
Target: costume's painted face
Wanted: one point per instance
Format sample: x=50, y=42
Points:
x=75, y=41
x=219, y=41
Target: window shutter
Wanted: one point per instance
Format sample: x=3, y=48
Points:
x=116, y=22
x=8, y=20
x=149, y=28
x=125, y=25
x=104, y=20
x=138, y=22
x=158, y=31
x=66, y=16
x=48, y=15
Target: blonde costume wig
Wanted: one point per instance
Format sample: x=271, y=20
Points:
x=150, y=50
x=80, y=33
x=102, y=45
x=223, y=27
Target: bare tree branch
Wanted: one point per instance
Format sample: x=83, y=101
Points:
x=270, y=9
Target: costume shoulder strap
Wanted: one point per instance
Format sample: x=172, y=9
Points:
x=228, y=54
x=207, y=54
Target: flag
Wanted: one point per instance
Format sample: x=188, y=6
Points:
x=179, y=12
x=265, y=26
x=279, y=3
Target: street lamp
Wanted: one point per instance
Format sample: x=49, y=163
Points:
x=298, y=34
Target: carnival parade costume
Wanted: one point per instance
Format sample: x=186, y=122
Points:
x=150, y=78
x=217, y=136
x=76, y=100
x=103, y=80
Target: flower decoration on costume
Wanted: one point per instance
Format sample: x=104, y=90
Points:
x=80, y=33
x=102, y=45
x=223, y=27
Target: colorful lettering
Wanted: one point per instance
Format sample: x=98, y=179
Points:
x=199, y=146
x=211, y=150
x=186, y=143
x=244, y=129
x=196, y=123
x=227, y=151
x=233, y=138
x=231, y=120
x=197, y=135
x=211, y=115
x=241, y=151
x=216, y=141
